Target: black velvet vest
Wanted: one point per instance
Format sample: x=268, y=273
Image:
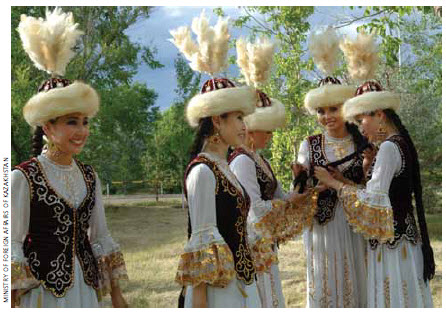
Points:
x=267, y=184
x=400, y=194
x=326, y=201
x=232, y=211
x=57, y=232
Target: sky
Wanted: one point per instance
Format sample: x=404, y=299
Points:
x=154, y=31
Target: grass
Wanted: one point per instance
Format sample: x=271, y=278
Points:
x=152, y=236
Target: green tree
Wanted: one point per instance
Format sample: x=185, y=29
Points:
x=168, y=150
x=108, y=60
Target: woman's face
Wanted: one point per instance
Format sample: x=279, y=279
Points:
x=233, y=129
x=260, y=138
x=368, y=125
x=330, y=118
x=69, y=132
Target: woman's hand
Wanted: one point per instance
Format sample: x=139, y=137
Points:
x=118, y=300
x=326, y=178
x=369, y=155
x=297, y=168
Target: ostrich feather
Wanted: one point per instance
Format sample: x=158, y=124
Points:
x=49, y=41
x=209, y=54
x=324, y=47
x=362, y=56
x=255, y=60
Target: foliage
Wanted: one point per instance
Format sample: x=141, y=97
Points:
x=108, y=60
x=168, y=150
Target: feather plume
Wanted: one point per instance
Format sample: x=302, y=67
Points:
x=324, y=47
x=255, y=60
x=362, y=56
x=49, y=42
x=209, y=54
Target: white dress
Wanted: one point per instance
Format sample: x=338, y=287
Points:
x=206, y=240
x=69, y=183
x=336, y=267
x=395, y=275
x=268, y=282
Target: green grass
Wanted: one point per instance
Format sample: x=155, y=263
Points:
x=152, y=236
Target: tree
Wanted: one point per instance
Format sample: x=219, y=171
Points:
x=168, y=150
x=108, y=60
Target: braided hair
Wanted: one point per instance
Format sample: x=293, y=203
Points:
x=205, y=129
x=37, y=141
x=428, y=254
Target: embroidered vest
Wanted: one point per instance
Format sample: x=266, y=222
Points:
x=400, y=194
x=267, y=183
x=232, y=211
x=327, y=199
x=58, y=232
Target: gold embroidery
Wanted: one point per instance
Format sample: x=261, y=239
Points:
x=111, y=269
x=406, y=295
x=373, y=222
x=213, y=266
x=387, y=292
x=285, y=221
x=263, y=254
x=348, y=286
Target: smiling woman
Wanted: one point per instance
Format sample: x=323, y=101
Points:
x=62, y=253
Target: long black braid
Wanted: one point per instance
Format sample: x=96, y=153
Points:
x=37, y=141
x=428, y=254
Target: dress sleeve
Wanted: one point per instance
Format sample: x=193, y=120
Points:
x=206, y=257
x=274, y=220
x=106, y=251
x=369, y=210
x=303, y=157
x=22, y=278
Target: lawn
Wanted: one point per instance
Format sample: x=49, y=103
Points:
x=152, y=237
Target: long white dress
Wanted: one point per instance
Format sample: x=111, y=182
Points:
x=69, y=183
x=336, y=267
x=206, y=240
x=395, y=275
x=265, y=225
x=268, y=282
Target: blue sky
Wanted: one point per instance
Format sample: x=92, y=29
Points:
x=154, y=31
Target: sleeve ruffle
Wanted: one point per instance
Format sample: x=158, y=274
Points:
x=263, y=254
x=369, y=213
x=206, y=259
x=284, y=221
x=22, y=278
x=111, y=264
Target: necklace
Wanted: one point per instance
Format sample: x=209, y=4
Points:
x=340, y=146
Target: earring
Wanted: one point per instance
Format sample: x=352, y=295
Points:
x=251, y=143
x=215, y=138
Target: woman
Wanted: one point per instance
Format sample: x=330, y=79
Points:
x=335, y=255
x=62, y=253
x=270, y=220
x=399, y=264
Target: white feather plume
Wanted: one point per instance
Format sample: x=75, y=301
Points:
x=255, y=60
x=49, y=42
x=209, y=54
x=362, y=56
x=324, y=47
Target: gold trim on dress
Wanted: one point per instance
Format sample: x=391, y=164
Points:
x=213, y=265
x=372, y=221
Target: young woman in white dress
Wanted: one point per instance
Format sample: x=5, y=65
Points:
x=62, y=253
x=270, y=219
x=336, y=276
x=400, y=259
